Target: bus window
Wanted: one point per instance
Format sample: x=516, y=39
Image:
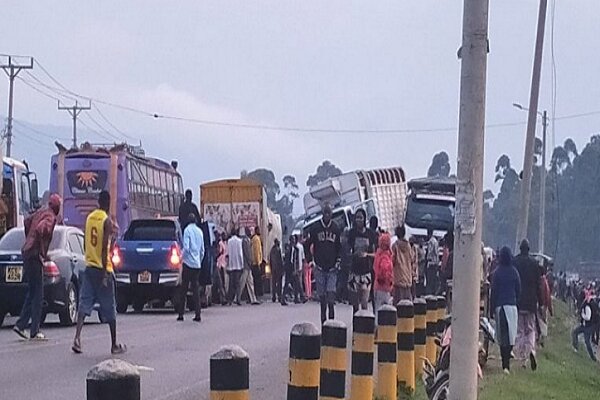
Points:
x=24, y=195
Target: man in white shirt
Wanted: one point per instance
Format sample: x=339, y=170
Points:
x=193, y=253
x=235, y=266
x=433, y=263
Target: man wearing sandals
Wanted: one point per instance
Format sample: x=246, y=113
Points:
x=97, y=282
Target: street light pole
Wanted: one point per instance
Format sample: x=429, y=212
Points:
x=542, y=232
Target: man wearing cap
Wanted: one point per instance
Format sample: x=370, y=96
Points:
x=529, y=299
x=39, y=228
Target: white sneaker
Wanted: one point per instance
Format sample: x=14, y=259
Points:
x=39, y=337
x=506, y=371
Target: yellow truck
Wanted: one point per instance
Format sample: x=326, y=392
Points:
x=240, y=203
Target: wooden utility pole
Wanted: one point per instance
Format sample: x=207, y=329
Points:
x=469, y=202
x=12, y=69
x=75, y=110
x=525, y=199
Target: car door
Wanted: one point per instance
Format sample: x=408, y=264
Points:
x=76, y=253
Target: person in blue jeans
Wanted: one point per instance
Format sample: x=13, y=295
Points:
x=39, y=228
x=589, y=320
x=325, y=242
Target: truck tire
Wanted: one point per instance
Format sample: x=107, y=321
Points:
x=68, y=315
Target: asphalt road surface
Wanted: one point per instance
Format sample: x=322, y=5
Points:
x=177, y=352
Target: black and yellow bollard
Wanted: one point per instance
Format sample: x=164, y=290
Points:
x=406, y=344
x=305, y=354
x=441, y=309
x=431, y=329
x=113, y=379
x=333, y=360
x=420, y=334
x=363, y=347
x=387, y=386
x=230, y=374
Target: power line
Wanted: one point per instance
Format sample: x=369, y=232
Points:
x=111, y=124
x=38, y=132
x=101, y=127
x=95, y=131
x=61, y=90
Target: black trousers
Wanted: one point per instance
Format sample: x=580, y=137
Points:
x=277, y=285
x=234, y=284
x=258, y=282
x=189, y=277
x=505, y=354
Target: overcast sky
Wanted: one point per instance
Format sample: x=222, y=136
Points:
x=313, y=64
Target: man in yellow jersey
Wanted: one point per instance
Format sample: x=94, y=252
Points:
x=97, y=283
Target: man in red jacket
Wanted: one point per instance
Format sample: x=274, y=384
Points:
x=39, y=228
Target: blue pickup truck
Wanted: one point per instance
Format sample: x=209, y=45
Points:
x=147, y=263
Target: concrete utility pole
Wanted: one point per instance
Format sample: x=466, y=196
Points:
x=75, y=110
x=531, y=122
x=12, y=69
x=542, y=232
x=469, y=202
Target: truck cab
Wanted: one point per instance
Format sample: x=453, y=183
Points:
x=19, y=194
x=430, y=205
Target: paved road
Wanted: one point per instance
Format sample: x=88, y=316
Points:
x=178, y=352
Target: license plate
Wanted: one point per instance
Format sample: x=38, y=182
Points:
x=145, y=277
x=14, y=274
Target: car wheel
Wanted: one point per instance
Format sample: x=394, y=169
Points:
x=122, y=302
x=68, y=316
x=138, y=305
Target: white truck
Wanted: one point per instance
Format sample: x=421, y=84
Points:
x=430, y=205
x=380, y=192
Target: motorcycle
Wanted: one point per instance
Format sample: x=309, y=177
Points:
x=436, y=379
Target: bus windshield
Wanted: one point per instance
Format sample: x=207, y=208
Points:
x=423, y=213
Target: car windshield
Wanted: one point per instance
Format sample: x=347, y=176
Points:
x=151, y=230
x=430, y=214
x=15, y=238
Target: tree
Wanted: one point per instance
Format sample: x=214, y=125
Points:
x=440, y=165
x=324, y=171
x=282, y=205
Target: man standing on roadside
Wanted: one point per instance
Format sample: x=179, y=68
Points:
x=276, y=262
x=97, y=282
x=247, y=280
x=529, y=300
x=432, y=258
x=193, y=253
x=325, y=239
x=39, y=228
x=186, y=208
x=235, y=266
x=405, y=268
x=258, y=262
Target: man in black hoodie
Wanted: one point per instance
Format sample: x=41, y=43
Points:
x=186, y=208
x=530, y=275
x=589, y=321
x=325, y=241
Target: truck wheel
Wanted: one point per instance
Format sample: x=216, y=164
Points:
x=138, y=305
x=68, y=315
x=122, y=303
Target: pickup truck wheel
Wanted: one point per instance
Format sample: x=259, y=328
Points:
x=122, y=304
x=68, y=315
x=138, y=305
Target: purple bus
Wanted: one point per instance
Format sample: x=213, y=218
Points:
x=140, y=186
